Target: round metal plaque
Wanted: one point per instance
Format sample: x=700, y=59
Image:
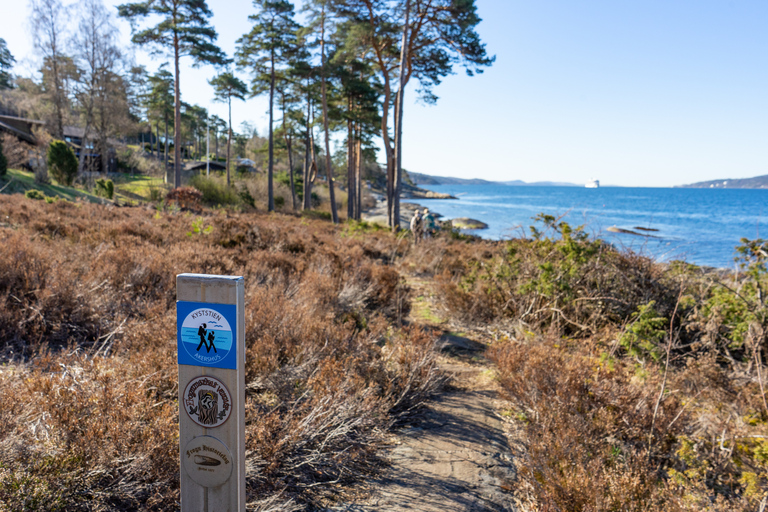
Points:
x=207, y=401
x=207, y=461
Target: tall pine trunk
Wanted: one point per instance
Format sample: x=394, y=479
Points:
x=350, y=163
x=398, y=171
x=165, y=174
x=290, y=157
x=359, y=178
x=270, y=168
x=307, y=184
x=229, y=137
x=176, y=117
x=328, y=163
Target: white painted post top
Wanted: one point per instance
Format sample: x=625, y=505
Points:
x=208, y=277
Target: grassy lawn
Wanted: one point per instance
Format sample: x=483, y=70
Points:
x=128, y=187
x=139, y=186
x=18, y=182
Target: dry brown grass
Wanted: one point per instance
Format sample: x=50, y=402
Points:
x=88, y=322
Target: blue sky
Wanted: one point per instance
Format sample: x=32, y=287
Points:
x=634, y=93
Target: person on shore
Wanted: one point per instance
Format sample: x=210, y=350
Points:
x=429, y=224
x=417, y=226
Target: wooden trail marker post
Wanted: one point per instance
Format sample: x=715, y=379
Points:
x=210, y=335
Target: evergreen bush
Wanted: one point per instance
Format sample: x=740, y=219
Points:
x=62, y=162
x=34, y=194
x=105, y=188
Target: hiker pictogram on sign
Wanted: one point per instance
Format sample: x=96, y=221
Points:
x=206, y=334
x=202, y=331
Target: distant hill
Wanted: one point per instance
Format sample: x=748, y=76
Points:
x=428, y=179
x=756, y=182
x=520, y=183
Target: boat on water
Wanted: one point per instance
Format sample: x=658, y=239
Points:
x=593, y=184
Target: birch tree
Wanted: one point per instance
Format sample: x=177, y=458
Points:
x=97, y=57
x=49, y=34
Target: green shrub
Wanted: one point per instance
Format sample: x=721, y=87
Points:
x=62, y=162
x=215, y=191
x=315, y=214
x=645, y=335
x=279, y=201
x=246, y=196
x=34, y=194
x=105, y=188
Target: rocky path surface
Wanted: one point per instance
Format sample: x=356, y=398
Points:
x=455, y=456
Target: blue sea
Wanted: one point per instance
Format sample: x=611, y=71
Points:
x=701, y=226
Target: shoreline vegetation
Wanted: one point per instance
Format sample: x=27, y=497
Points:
x=645, y=380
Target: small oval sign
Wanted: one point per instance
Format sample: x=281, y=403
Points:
x=208, y=461
x=207, y=401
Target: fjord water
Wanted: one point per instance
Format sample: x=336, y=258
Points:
x=701, y=226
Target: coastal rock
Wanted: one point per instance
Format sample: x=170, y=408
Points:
x=614, y=229
x=467, y=223
x=430, y=194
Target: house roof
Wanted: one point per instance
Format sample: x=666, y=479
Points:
x=5, y=126
x=74, y=131
x=200, y=166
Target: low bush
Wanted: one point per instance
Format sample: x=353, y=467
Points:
x=215, y=190
x=34, y=194
x=105, y=188
x=189, y=198
x=636, y=385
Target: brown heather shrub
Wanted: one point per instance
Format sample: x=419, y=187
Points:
x=583, y=330
x=88, y=326
x=186, y=197
x=588, y=419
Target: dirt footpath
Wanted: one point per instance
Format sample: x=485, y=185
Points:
x=456, y=456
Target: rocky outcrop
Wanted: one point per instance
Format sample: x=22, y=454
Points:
x=467, y=223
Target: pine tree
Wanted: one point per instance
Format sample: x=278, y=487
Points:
x=6, y=63
x=437, y=35
x=227, y=86
x=268, y=45
x=184, y=30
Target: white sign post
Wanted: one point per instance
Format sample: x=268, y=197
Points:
x=210, y=336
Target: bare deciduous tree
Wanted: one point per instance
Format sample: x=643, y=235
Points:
x=98, y=58
x=48, y=33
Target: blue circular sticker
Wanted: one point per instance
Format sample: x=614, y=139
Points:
x=206, y=337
